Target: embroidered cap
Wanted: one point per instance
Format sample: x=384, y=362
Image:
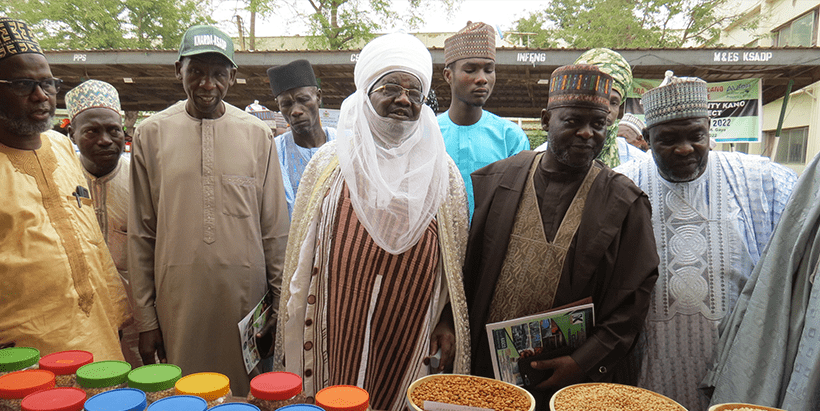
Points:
x=579, y=85
x=206, y=39
x=92, y=94
x=16, y=38
x=293, y=75
x=613, y=64
x=633, y=122
x=674, y=99
x=475, y=40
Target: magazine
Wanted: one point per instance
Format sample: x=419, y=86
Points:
x=537, y=334
x=248, y=327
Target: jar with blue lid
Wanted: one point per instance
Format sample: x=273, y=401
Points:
x=123, y=399
x=301, y=407
x=235, y=406
x=179, y=403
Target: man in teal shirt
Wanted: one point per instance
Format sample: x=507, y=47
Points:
x=474, y=137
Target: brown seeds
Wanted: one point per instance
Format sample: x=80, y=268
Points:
x=607, y=397
x=470, y=391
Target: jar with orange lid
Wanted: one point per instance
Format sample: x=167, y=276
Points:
x=64, y=365
x=156, y=380
x=273, y=390
x=102, y=376
x=343, y=398
x=212, y=387
x=14, y=386
x=55, y=399
x=18, y=358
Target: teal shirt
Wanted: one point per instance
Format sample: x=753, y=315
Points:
x=490, y=139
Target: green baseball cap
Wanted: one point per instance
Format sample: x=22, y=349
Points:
x=206, y=39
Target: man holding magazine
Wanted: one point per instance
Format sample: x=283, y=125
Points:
x=556, y=227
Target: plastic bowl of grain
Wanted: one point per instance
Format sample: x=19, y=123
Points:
x=737, y=406
x=600, y=396
x=470, y=391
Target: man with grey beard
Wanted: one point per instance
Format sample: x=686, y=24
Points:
x=55, y=269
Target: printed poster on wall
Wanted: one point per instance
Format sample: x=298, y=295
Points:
x=735, y=108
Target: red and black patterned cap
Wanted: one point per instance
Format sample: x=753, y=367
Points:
x=475, y=40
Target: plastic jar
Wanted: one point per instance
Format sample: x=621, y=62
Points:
x=343, y=398
x=156, y=380
x=14, y=386
x=210, y=386
x=64, y=365
x=235, y=406
x=273, y=390
x=179, y=403
x=102, y=376
x=18, y=358
x=55, y=399
x=123, y=399
x=301, y=407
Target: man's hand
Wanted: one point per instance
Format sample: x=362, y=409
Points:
x=443, y=337
x=151, y=344
x=6, y=345
x=567, y=372
x=266, y=338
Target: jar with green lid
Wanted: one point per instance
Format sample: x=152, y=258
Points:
x=55, y=399
x=64, y=365
x=14, y=386
x=18, y=358
x=122, y=399
x=156, y=380
x=212, y=387
x=343, y=398
x=102, y=376
x=273, y=390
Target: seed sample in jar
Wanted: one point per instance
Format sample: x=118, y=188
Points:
x=235, y=406
x=342, y=398
x=55, y=399
x=123, y=399
x=273, y=390
x=469, y=391
x=18, y=358
x=64, y=365
x=213, y=387
x=605, y=397
x=179, y=403
x=156, y=380
x=102, y=376
x=14, y=386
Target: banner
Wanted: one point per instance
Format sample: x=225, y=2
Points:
x=735, y=108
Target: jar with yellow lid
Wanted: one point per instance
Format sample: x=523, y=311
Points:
x=212, y=387
x=18, y=358
x=64, y=365
x=15, y=386
x=273, y=390
x=343, y=398
x=156, y=380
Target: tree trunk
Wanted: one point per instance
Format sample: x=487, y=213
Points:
x=253, y=31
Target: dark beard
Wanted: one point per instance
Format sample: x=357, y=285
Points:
x=24, y=126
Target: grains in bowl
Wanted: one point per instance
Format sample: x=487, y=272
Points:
x=606, y=397
x=470, y=391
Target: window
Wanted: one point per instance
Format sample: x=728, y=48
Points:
x=791, y=149
x=801, y=31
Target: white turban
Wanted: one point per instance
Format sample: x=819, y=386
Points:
x=397, y=185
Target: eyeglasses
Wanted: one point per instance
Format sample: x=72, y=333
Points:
x=394, y=91
x=24, y=87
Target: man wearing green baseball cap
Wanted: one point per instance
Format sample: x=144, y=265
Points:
x=208, y=221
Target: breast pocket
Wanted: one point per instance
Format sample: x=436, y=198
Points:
x=238, y=195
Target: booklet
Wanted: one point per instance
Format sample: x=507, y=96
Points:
x=248, y=327
x=564, y=328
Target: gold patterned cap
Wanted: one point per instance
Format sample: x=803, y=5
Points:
x=475, y=40
x=16, y=38
x=92, y=94
x=676, y=98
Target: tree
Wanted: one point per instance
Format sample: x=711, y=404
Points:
x=627, y=23
x=110, y=24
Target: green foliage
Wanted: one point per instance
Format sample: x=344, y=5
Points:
x=536, y=137
x=626, y=23
x=110, y=24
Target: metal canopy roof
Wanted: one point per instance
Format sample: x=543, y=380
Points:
x=145, y=78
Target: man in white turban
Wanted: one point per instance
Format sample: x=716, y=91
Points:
x=372, y=281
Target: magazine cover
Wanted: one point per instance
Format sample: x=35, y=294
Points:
x=248, y=327
x=536, y=334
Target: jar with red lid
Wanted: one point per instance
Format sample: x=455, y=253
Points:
x=64, y=365
x=15, y=386
x=343, y=398
x=274, y=390
x=55, y=399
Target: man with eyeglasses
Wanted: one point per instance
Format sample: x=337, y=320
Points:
x=475, y=137
x=55, y=269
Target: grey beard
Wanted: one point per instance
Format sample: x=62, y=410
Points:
x=24, y=126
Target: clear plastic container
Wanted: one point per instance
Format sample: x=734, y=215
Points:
x=14, y=386
x=213, y=387
x=123, y=399
x=235, y=406
x=343, y=398
x=273, y=390
x=179, y=403
x=156, y=380
x=64, y=365
x=102, y=376
x=18, y=358
x=55, y=399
